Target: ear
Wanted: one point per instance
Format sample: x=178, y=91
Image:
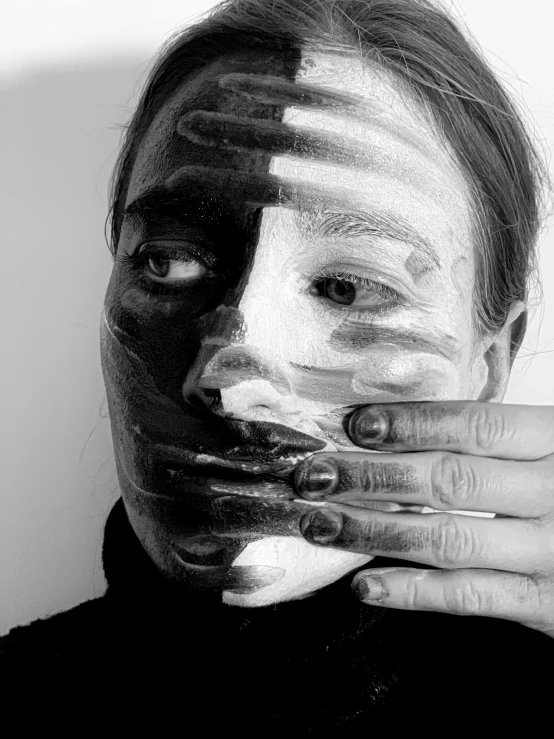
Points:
x=498, y=354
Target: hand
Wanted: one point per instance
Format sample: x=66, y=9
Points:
x=464, y=455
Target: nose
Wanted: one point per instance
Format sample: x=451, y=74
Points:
x=229, y=376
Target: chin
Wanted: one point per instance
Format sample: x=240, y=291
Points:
x=306, y=569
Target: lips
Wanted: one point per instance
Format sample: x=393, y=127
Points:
x=183, y=456
x=184, y=436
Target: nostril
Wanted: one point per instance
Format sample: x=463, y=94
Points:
x=243, y=372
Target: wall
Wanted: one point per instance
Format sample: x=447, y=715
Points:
x=69, y=73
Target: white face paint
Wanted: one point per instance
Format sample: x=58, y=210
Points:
x=417, y=347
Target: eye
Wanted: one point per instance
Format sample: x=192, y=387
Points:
x=359, y=292
x=185, y=269
x=170, y=263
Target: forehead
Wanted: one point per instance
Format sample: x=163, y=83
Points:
x=364, y=103
x=356, y=134
x=163, y=150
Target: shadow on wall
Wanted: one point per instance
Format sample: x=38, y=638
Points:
x=60, y=130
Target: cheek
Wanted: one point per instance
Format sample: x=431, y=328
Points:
x=306, y=568
x=156, y=333
x=407, y=375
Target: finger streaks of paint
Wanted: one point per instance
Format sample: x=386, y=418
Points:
x=224, y=131
x=278, y=91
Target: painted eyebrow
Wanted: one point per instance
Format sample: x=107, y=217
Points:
x=191, y=211
x=353, y=224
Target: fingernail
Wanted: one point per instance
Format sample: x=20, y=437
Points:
x=321, y=527
x=368, y=427
x=367, y=588
x=316, y=478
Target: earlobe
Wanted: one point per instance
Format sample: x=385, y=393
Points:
x=500, y=352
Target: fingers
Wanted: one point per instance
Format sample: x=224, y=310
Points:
x=483, y=429
x=460, y=592
x=440, y=539
x=441, y=480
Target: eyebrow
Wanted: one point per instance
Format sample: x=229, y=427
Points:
x=209, y=214
x=212, y=207
x=353, y=224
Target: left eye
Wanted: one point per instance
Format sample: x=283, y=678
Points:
x=357, y=291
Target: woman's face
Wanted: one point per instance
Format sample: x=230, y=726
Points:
x=297, y=239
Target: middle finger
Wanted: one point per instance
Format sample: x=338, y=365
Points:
x=442, y=480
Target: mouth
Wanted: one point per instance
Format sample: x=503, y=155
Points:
x=189, y=470
x=246, y=479
x=225, y=446
x=266, y=451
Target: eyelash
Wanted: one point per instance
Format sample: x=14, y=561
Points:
x=398, y=300
x=139, y=259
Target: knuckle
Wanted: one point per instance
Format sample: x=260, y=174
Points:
x=415, y=594
x=526, y=591
x=453, y=481
x=455, y=544
x=468, y=600
x=488, y=427
x=530, y=601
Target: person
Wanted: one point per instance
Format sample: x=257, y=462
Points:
x=324, y=217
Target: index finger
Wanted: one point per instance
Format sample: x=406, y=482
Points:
x=470, y=427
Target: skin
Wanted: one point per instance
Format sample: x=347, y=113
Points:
x=229, y=353
x=481, y=457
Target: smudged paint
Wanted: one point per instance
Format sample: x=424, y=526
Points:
x=251, y=578
x=224, y=131
x=235, y=579
x=354, y=334
x=417, y=266
x=239, y=363
x=277, y=91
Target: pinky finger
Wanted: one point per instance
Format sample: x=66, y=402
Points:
x=461, y=592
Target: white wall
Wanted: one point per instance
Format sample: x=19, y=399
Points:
x=70, y=72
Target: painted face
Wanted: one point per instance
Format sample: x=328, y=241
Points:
x=297, y=239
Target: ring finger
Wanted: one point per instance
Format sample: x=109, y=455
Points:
x=441, y=539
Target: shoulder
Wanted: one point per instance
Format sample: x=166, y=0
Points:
x=53, y=639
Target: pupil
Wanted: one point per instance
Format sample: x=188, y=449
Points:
x=340, y=291
x=154, y=263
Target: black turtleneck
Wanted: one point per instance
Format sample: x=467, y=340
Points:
x=324, y=664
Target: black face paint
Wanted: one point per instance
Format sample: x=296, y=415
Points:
x=151, y=340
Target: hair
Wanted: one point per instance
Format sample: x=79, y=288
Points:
x=423, y=47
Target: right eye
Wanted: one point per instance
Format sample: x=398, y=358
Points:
x=165, y=269
x=164, y=263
